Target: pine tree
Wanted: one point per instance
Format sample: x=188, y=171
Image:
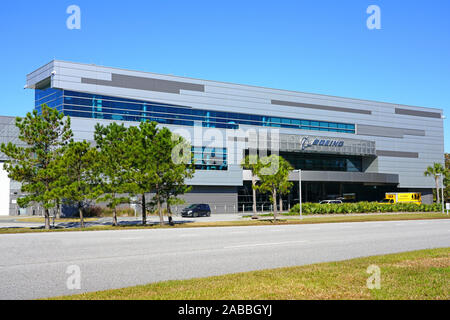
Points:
x=46, y=136
x=170, y=173
x=79, y=179
x=142, y=173
x=181, y=167
x=115, y=163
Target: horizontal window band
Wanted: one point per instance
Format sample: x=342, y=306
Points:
x=233, y=117
x=281, y=121
x=205, y=121
x=149, y=114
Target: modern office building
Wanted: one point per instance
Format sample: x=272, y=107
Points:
x=345, y=147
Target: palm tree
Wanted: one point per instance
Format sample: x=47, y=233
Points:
x=285, y=185
x=252, y=163
x=274, y=178
x=435, y=170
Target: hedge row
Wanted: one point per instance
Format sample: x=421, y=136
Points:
x=99, y=212
x=363, y=207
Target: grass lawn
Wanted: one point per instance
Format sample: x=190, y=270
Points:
x=261, y=222
x=421, y=275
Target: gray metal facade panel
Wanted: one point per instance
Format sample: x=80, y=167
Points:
x=420, y=131
x=141, y=83
x=319, y=107
x=414, y=132
x=397, y=154
x=417, y=113
x=358, y=177
x=221, y=199
x=231, y=177
x=40, y=74
x=378, y=131
x=8, y=133
x=381, y=131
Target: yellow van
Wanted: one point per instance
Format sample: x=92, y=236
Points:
x=403, y=197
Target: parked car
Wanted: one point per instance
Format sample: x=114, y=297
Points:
x=330, y=201
x=196, y=210
x=386, y=201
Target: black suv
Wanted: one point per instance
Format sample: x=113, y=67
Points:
x=196, y=210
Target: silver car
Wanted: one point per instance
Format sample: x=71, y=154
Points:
x=330, y=201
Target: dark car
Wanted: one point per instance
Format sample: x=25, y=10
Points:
x=196, y=210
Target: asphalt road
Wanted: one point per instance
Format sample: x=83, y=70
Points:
x=35, y=265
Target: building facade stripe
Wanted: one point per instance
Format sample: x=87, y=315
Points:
x=319, y=107
x=141, y=83
x=416, y=113
x=397, y=154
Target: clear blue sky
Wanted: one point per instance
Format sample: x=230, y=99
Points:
x=320, y=46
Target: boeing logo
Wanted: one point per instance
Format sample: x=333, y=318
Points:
x=306, y=143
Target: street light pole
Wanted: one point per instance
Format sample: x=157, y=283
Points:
x=442, y=192
x=300, y=191
x=442, y=176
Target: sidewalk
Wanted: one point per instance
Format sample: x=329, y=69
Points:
x=14, y=222
x=297, y=216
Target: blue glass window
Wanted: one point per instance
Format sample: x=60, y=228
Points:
x=206, y=158
x=79, y=104
x=51, y=97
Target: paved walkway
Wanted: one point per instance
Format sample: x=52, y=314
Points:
x=15, y=222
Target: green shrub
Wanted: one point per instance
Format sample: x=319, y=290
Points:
x=156, y=213
x=99, y=212
x=90, y=212
x=362, y=207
